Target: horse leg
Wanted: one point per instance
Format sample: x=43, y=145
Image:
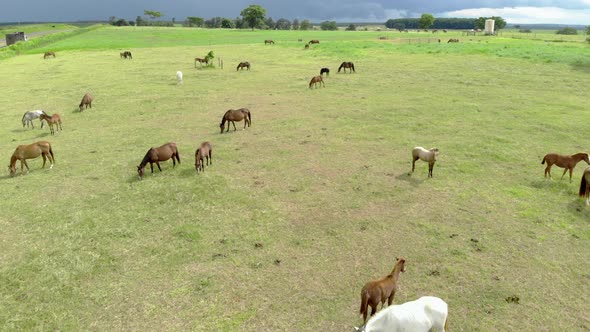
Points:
x=152, y=167
x=234, y=123
x=564, y=171
x=414, y=163
x=390, y=299
x=571, y=170
x=26, y=165
x=430, y=167
x=373, y=308
x=158, y=164
x=548, y=170
x=43, y=155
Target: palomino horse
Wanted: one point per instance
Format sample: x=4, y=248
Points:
x=314, y=41
x=377, y=291
x=346, y=65
x=31, y=151
x=585, y=185
x=126, y=55
x=269, y=41
x=315, y=80
x=86, y=101
x=29, y=116
x=48, y=54
x=52, y=120
x=236, y=115
x=243, y=65
x=155, y=155
x=428, y=156
x=567, y=162
x=325, y=70
x=201, y=61
x=203, y=151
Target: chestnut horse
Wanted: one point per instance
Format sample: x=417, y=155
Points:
x=428, y=156
x=48, y=54
x=86, y=101
x=201, y=61
x=315, y=80
x=585, y=185
x=236, y=115
x=203, y=151
x=325, y=70
x=155, y=155
x=269, y=41
x=55, y=119
x=243, y=65
x=348, y=65
x=377, y=291
x=567, y=162
x=31, y=151
x=314, y=41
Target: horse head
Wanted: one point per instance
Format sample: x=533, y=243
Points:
x=221, y=125
x=402, y=262
x=12, y=169
x=140, y=172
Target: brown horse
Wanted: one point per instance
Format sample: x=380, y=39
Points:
x=126, y=55
x=31, y=151
x=203, y=151
x=55, y=119
x=428, y=156
x=314, y=41
x=453, y=40
x=325, y=70
x=86, y=101
x=585, y=185
x=269, y=41
x=48, y=54
x=155, y=155
x=306, y=46
x=346, y=65
x=315, y=80
x=567, y=162
x=201, y=61
x=243, y=65
x=236, y=115
x=377, y=291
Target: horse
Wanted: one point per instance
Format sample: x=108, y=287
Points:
x=155, y=155
x=86, y=101
x=453, y=40
x=48, y=54
x=29, y=116
x=379, y=290
x=126, y=55
x=236, y=115
x=425, y=155
x=179, y=77
x=567, y=162
x=243, y=65
x=31, y=151
x=55, y=119
x=314, y=41
x=201, y=61
x=585, y=185
x=306, y=46
x=315, y=80
x=325, y=70
x=425, y=314
x=269, y=41
x=348, y=65
x=203, y=151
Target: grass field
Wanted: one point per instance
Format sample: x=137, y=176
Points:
x=298, y=211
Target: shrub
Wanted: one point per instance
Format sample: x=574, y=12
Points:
x=525, y=31
x=567, y=31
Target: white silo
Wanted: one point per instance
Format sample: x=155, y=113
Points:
x=489, y=30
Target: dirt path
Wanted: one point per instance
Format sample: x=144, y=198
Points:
x=33, y=35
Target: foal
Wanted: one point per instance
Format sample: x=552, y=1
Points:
x=315, y=80
x=425, y=155
x=203, y=151
x=52, y=120
x=31, y=151
x=585, y=185
x=567, y=162
x=377, y=291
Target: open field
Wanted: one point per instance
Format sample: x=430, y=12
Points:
x=320, y=182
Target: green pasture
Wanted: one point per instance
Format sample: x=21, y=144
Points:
x=298, y=211
x=31, y=28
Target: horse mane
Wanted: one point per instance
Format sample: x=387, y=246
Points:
x=146, y=158
x=223, y=118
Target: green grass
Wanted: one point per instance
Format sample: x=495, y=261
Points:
x=320, y=180
x=31, y=28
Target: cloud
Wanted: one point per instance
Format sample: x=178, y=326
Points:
x=525, y=15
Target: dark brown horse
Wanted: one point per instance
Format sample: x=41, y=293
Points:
x=585, y=185
x=243, y=65
x=54, y=119
x=86, y=101
x=567, y=162
x=453, y=40
x=48, y=54
x=31, y=151
x=203, y=151
x=236, y=115
x=306, y=46
x=314, y=41
x=201, y=61
x=126, y=55
x=325, y=70
x=377, y=291
x=346, y=65
x=315, y=80
x=269, y=41
x=155, y=155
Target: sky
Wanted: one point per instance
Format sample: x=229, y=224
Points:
x=513, y=11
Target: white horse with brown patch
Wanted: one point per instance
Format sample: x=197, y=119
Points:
x=428, y=156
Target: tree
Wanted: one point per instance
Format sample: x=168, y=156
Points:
x=193, y=21
x=139, y=21
x=588, y=30
x=295, y=25
x=270, y=24
x=152, y=14
x=283, y=24
x=239, y=23
x=131, y=22
x=305, y=25
x=226, y=23
x=121, y=22
x=399, y=26
x=567, y=31
x=214, y=22
x=253, y=15
x=351, y=27
x=426, y=20
x=328, y=25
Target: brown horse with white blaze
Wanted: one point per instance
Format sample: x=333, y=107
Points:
x=236, y=115
x=155, y=155
x=377, y=291
x=31, y=151
x=585, y=185
x=567, y=162
x=203, y=151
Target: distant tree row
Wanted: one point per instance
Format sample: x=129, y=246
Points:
x=240, y=23
x=428, y=21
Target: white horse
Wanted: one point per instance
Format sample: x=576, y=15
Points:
x=29, y=116
x=179, y=77
x=425, y=314
x=426, y=155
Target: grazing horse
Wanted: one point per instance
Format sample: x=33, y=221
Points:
x=306, y=46
x=48, y=54
x=126, y=55
x=314, y=41
x=86, y=101
x=29, y=116
x=269, y=41
x=585, y=185
x=425, y=314
x=315, y=80
x=203, y=151
x=155, y=155
x=377, y=291
x=55, y=119
x=243, y=65
x=325, y=70
x=201, y=61
x=425, y=155
x=31, y=151
x=567, y=162
x=236, y=115
x=453, y=40
x=348, y=65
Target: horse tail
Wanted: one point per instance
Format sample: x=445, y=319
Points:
x=583, y=186
x=249, y=118
x=543, y=162
x=177, y=156
x=446, y=326
x=364, y=301
x=23, y=120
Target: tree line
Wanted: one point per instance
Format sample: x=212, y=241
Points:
x=427, y=21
